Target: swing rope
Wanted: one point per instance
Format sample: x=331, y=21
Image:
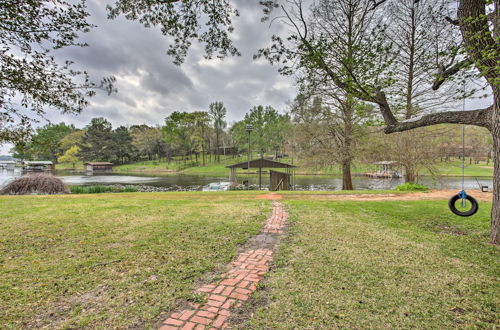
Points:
x=462, y=193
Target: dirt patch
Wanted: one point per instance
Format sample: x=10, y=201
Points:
x=431, y=195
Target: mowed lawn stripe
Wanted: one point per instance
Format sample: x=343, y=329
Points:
x=384, y=264
x=114, y=260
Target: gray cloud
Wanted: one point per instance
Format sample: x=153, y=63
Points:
x=151, y=86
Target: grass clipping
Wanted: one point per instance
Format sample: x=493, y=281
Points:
x=35, y=184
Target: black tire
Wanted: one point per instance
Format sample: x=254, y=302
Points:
x=472, y=211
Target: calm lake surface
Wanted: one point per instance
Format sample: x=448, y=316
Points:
x=302, y=182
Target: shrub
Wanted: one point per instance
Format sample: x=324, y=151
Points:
x=409, y=186
x=35, y=184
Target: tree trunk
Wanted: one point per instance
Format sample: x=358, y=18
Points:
x=346, y=176
x=495, y=130
x=409, y=174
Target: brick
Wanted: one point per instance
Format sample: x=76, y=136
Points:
x=239, y=296
x=214, y=303
x=172, y=321
x=206, y=314
x=200, y=327
x=201, y=320
x=229, y=282
x=175, y=315
x=243, y=291
x=243, y=284
x=210, y=309
x=168, y=327
x=228, y=303
x=217, y=297
x=228, y=291
x=224, y=312
x=220, y=321
x=188, y=326
x=186, y=314
x=218, y=289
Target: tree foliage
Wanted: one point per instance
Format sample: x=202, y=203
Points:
x=31, y=79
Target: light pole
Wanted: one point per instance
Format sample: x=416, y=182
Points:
x=249, y=129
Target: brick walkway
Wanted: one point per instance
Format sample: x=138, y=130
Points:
x=235, y=286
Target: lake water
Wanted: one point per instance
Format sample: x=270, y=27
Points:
x=302, y=182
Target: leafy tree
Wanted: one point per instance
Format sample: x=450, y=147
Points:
x=178, y=130
x=217, y=114
x=31, y=80
x=72, y=139
x=46, y=141
x=148, y=141
x=97, y=141
x=270, y=130
x=70, y=156
x=123, y=144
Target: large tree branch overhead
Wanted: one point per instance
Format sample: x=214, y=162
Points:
x=480, y=117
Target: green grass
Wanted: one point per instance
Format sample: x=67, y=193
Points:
x=114, y=260
x=381, y=264
x=453, y=168
x=121, y=260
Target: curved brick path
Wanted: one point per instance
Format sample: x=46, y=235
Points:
x=236, y=285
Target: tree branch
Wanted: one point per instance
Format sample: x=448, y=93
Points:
x=446, y=73
x=480, y=117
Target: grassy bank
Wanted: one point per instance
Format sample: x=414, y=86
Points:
x=113, y=261
x=387, y=264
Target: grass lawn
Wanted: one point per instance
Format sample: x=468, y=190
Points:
x=114, y=260
x=381, y=264
x=454, y=168
x=121, y=260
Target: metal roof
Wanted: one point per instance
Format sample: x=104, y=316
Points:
x=261, y=163
x=38, y=162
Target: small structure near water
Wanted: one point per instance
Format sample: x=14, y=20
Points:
x=278, y=180
x=9, y=165
x=387, y=170
x=38, y=166
x=91, y=167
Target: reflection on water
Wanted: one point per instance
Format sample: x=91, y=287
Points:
x=301, y=182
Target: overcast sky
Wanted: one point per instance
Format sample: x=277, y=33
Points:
x=150, y=86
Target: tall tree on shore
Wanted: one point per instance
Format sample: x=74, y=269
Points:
x=97, y=142
x=217, y=112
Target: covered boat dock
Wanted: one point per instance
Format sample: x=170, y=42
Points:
x=278, y=180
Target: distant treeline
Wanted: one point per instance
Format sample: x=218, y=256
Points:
x=200, y=136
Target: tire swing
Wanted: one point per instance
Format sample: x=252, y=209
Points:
x=468, y=205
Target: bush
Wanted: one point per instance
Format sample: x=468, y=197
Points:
x=35, y=184
x=98, y=189
x=409, y=186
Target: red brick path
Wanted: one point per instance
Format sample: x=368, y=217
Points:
x=235, y=286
